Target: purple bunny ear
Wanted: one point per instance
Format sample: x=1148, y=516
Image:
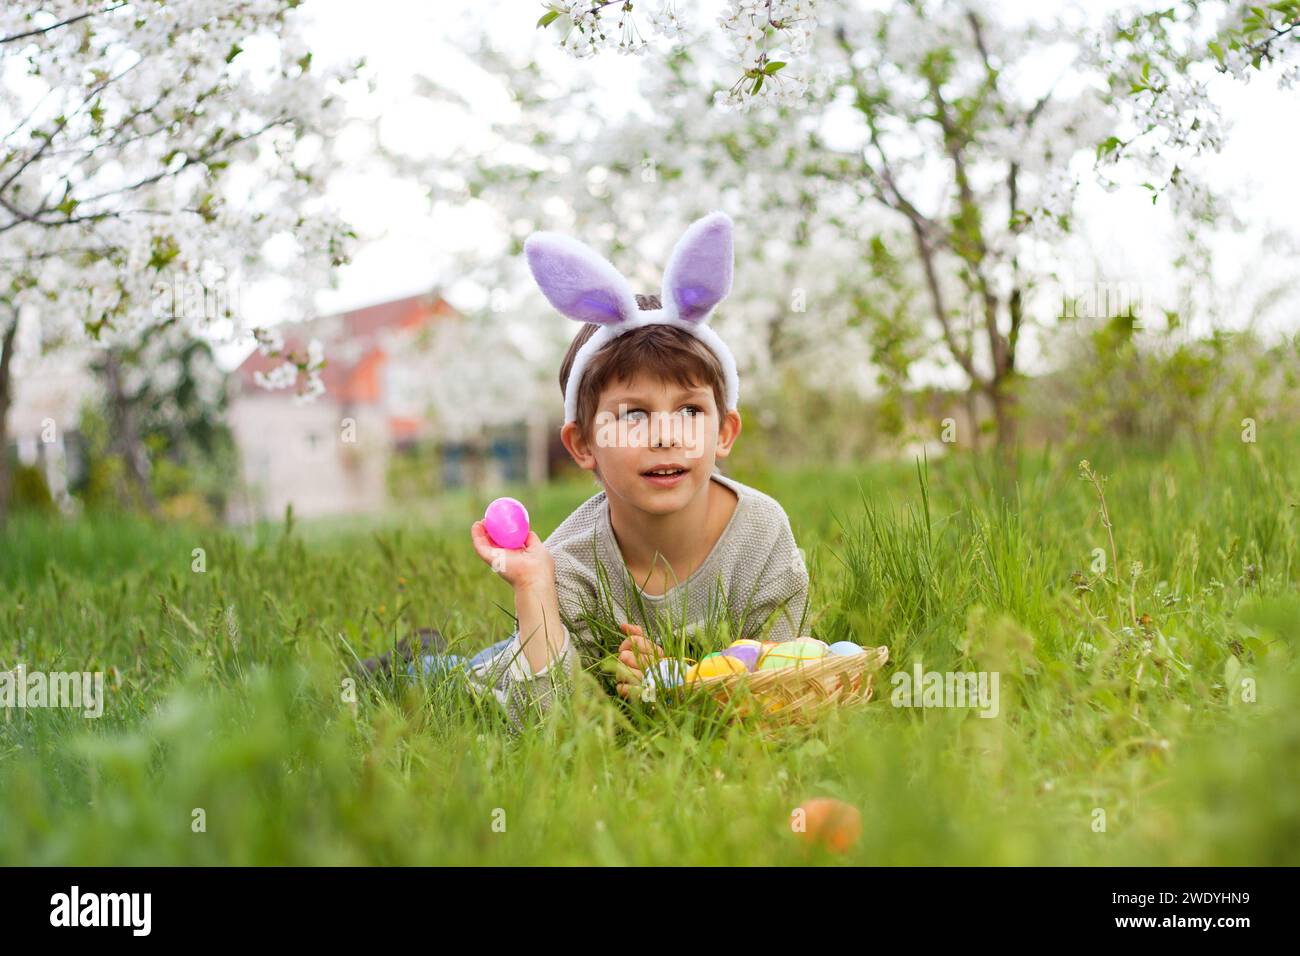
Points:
x=698, y=276
x=578, y=281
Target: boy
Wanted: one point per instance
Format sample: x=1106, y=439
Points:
x=650, y=406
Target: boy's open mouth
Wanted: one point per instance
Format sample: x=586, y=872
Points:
x=665, y=476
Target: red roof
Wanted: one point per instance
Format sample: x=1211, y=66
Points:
x=400, y=313
x=357, y=379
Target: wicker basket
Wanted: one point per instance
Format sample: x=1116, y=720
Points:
x=798, y=693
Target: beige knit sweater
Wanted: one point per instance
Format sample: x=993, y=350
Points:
x=755, y=574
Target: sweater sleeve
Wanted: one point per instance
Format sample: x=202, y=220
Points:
x=530, y=694
x=525, y=693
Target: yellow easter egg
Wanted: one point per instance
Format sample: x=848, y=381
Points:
x=714, y=666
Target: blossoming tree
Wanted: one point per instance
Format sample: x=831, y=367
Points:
x=152, y=146
x=933, y=113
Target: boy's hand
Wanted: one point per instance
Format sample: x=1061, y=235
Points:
x=635, y=654
x=528, y=567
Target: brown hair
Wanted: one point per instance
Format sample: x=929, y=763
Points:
x=664, y=351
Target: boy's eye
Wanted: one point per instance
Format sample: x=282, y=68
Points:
x=693, y=409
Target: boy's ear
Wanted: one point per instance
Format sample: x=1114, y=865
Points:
x=698, y=276
x=578, y=281
x=577, y=446
x=728, y=432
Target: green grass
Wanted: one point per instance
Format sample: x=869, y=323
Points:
x=1120, y=692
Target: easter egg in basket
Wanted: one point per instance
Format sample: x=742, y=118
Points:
x=792, y=653
x=747, y=652
x=666, y=673
x=846, y=649
x=715, y=665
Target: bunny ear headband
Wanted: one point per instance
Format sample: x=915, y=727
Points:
x=586, y=287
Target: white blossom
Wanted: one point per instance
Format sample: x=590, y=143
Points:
x=760, y=33
x=282, y=376
x=158, y=149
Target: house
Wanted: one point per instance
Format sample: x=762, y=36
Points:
x=370, y=440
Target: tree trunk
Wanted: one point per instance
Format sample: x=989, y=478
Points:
x=128, y=440
x=8, y=333
x=973, y=414
x=1006, y=414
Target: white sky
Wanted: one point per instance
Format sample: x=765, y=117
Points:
x=407, y=250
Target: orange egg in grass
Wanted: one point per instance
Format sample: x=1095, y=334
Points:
x=826, y=822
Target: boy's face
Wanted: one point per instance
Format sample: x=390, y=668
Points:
x=647, y=425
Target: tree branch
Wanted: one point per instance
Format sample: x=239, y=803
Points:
x=21, y=215
x=969, y=242
x=62, y=23
x=922, y=227
x=40, y=151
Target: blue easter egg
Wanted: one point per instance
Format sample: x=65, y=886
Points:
x=847, y=648
x=666, y=673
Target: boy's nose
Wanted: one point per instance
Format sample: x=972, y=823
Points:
x=666, y=431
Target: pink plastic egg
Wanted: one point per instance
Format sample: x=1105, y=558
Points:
x=507, y=523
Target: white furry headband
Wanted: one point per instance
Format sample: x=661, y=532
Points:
x=586, y=287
